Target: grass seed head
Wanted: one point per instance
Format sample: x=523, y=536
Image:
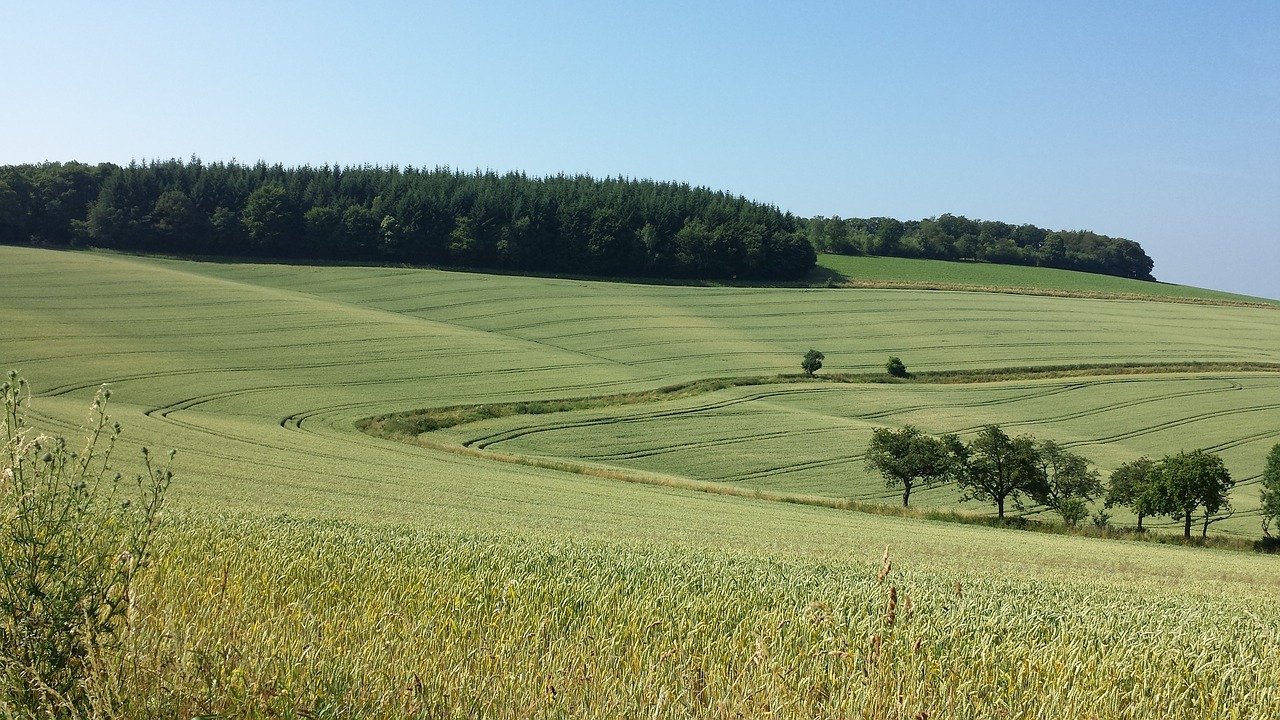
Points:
x=885, y=566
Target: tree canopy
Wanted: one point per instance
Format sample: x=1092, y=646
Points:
x=1067, y=482
x=1193, y=481
x=812, y=362
x=1271, y=490
x=570, y=224
x=1178, y=486
x=1000, y=468
x=907, y=457
x=955, y=237
x=1133, y=485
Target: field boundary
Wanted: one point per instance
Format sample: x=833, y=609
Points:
x=417, y=422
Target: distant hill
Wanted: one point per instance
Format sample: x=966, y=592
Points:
x=891, y=272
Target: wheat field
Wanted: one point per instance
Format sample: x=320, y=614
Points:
x=311, y=570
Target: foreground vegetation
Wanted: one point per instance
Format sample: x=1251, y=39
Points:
x=74, y=537
x=277, y=617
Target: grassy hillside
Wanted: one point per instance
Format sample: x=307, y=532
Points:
x=809, y=441
x=257, y=374
x=905, y=272
x=251, y=367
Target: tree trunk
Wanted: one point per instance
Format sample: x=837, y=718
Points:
x=906, y=493
x=1139, y=522
x=1186, y=526
x=1000, y=508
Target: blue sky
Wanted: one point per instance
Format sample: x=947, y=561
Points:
x=1155, y=121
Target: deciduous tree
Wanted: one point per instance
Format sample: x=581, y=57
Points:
x=812, y=362
x=896, y=368
x=1271, y=490
x=907, y=457
x=1193, y=481
x=1000, y=468
x=1133, y=485
x=1068, y=483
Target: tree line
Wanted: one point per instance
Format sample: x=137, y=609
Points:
x=1002, y=469
x=561, y=224
x=955, y=237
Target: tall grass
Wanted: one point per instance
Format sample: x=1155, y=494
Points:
x=73, y=537
x=274, y=617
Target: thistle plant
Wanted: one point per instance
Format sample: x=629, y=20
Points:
x=73, y=536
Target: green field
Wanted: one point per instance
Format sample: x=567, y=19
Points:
x=257, y=374
x=243, y=367
x=809, y=441
x=871, y=271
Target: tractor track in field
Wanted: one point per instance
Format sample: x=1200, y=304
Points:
x=706, y=444
x=488, y=441
x=1188, y=420
x=740, y=482
x=60, y=390
x=195, y=401
x=508, y=435
x=843, y=460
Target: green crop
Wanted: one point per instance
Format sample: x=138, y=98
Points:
x=867, y=271
x=407, y=580
x=285, y=618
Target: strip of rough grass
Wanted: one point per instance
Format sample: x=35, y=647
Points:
x=416, y=422
x=916, y=274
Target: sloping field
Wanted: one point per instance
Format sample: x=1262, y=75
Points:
x=810, y=441
x=256, y=373
x=910, y=272
x=452, y=586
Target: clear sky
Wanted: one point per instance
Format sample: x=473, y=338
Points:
x=1154, y=121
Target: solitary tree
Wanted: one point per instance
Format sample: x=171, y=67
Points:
x=1067, y=483
x=896, y=368
x=1000, y=468
x=1191, y=481
x=907, y=457
x=812, y=362
x=1133, y=485
x=1271, y=490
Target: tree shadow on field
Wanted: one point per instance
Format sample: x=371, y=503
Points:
x=829, y=277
